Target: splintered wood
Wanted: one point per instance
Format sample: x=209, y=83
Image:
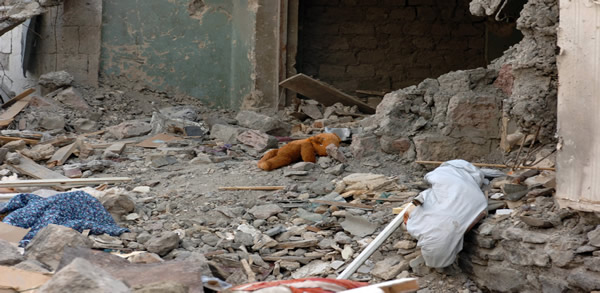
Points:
x=367, y=186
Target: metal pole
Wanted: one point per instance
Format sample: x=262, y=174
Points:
x=374, y=245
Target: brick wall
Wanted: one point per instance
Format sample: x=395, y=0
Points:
x=387, y=44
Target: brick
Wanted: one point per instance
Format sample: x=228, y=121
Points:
x=468, y=30
x=440, y=29
x=352, y=14
x=423, y=43
x=368, y=42
x=394, y=2
x=342, y=58
x=362, y=70
x=376, y=13
x=338, y=43
x=405, y=13
x=417, y=29
x=357, y=28
x=420, y=3
x=427, y=13
x=394, y=29
x=371, y=56
x=331, y=71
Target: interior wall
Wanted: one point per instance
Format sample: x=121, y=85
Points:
x=198, y=48
x=387, y=44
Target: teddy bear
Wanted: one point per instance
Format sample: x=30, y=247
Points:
x=303, y=149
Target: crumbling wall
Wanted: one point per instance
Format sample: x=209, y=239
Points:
x=386, y=45
x=191, y=47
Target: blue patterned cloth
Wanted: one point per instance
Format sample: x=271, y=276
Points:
x=77, y=210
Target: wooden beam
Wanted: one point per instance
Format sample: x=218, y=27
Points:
x=30, y=168
x=6, y=139
x=63, y=182
x=323, y=93
x=19, y=97
x=61, y=155
x=267, y=188
x=8, y=116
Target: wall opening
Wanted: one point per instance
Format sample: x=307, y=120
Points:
x=384, y=45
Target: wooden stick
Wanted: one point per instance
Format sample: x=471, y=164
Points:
x=252, y=188
x=26, y=140
x=489, y=165
x=22, y=95
x=61, y=182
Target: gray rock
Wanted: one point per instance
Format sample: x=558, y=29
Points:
x=158, y=161
x=48, y=244
x=81, y=276
x=72, y=98
x=117, y=204
x=32, y=266
x=263, y=123
x=342, y=238
x=358, y=226
x=243, y=238
x=54, y=80
x=226, y=133
x=15, y=145
x=163, y=244
x=210, y=239
x=390, y=267
x=52, y=122
x=13, y=158
x=130, y=129
x=326, y=243
x=181, y=112
x=39, y=152
x=9, y=254
x=83, y=125
x=143, y=237
x=594, y=237
x=588, y=281
x=335, y=170
x=303, y=166
x=592, y=263
x=265, y=211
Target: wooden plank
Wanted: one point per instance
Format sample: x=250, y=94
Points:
x=6, y=139
x=252, y=188
x=63, y=182
x=296, y=244
x=342, y=204
x=323, y=93
x=61, y=155
x=32, y=169
x=19, y=97
x=8, y=116
x=115, y=148
x=578, y=154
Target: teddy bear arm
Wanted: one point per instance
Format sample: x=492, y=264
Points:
x=308, y=153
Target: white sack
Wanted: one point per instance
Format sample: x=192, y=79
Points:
x=449, y=207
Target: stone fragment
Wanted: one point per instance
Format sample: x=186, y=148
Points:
x=418, y=266
x=130, y=129
x=72, y=171
x=32, y=265
x=364, y=146
x=81, y=276
x=163, y=243
x=358, y=226
x=83, y=125
x=390, y=267
x=312, y=111
x=303, y=166
x=13, y=158
x=514, y=192
x=289, y=265
x=265, y=211
x=117, y=204
x=72, y=98
x=392, y=145
x=15, y=145
x=594, y=237
x=9, y=254
x=186, y=112
x=334, y=152
x=48, y=244
x=585, y=280
x=54, y=80
x=592, y=263
x=260, y=141
x=536, y=222
x=405, y=244
x=342, y=238
x=158, y=161
x=226, y=133
x=141, y=189
x=145, y=257
x=52, y=122
x=3, y=153
x=335, y=170
x=289, y=173
x=263, y=123
x=39, y=152
x=336, y=264
x=314, y=268
x=161, y=287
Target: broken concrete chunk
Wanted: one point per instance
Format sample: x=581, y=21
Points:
x=265, y=211
x=259, y=140
x=72, y=98
x=52, y=122
x=81, y=276
x=48, y=244
x=9, y=254
x=32, y=266
x=594, y=237
x=358, y=226
x=390, y=267
x=263, y=123
x=15, y=145
x=163, y=243
x=514, y=192
x=226, y=133
x=54, y=80
x=315, y=268
x=190, y=113
x=158, y=161
x=39, y=152
x=334, y=152
x=312, y=111
x=117, y=204
x=130, y=129
x=83, y=125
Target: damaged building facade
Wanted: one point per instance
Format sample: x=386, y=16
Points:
x=476, y=80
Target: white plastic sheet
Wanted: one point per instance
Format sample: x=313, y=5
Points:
x=449, y=207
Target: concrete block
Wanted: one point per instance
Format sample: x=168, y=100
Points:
x=69, y=41
x=82, y=12
x=89, y=40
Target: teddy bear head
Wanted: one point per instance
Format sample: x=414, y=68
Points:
x=321, y=141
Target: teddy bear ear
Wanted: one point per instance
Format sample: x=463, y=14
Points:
x=317, y=139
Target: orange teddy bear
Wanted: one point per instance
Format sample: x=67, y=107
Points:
x=304, y=149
